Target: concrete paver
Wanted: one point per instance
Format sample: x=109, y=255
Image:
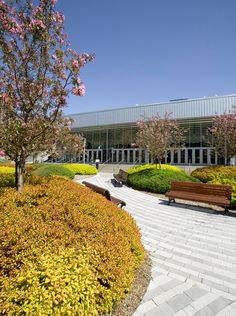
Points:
x=193, y=252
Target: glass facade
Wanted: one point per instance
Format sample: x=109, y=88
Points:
x=116, y=144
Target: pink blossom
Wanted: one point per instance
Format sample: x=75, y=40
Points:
x=37, y=24
x=75, y=91
x=81, y=90
x=54, y=2
x=2, y=153
x=78, y=80
x=75, y=63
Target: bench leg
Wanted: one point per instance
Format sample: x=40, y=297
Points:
x=171, y=200
x=226, y=210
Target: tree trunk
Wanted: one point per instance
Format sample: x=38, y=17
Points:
x=159, y=162
x=19, y=175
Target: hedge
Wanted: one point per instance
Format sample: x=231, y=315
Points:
x=157, y=180
x=49, y=170
x=64, y=251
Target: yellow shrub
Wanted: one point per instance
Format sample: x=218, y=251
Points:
x=153, y=166
x=81, y=168
x=47, y=234
x=7, y=170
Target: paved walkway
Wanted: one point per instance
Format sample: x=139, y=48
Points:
x=193, y=255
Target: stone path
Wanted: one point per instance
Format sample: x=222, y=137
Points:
x=193, y=254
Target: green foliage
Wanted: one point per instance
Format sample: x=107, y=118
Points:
x=49, y=170
x=65, y=250
x=154, y=166
x=157, y=180
x=218, y=175
x=7, y=180
x=81, y=168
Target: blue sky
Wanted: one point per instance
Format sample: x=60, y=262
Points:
x=152, y=51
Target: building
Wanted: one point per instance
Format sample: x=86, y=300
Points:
x=110, y=134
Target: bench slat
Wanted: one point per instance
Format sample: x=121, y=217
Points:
x=216, y=194
x=121, y=176
x=105, y=193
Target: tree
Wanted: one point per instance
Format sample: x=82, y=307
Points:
x=38, y=70
x=158, y=135
x=70, y=144
x=223, y=131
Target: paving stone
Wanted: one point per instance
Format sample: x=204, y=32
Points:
x=179, y=301
x=152, y=293
x=161, y=310
x=170, y=285
x=206, y=311
x=203, y=301
x=227, y=311
x=195, y=292
x=219, y=304
x=144, y=308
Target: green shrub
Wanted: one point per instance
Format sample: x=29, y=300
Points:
x=156, y=180
x=65, y=250
x=80, y=168
x=49, y=170
x=154, y=166
x=7, y=180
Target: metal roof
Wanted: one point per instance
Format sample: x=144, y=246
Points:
x=180, y=109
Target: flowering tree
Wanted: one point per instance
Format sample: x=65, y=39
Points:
x=159, y=135
x=38, y=70
x=70, y=144
x=224, y=135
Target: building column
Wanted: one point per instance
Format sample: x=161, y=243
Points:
x=208, y=156
x=179, y=156
x=172, y=156
x=193, y=156
x=186, y=156
x=128, y=155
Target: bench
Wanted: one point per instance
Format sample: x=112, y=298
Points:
x=105, y=193
x=120, y=177
x=216, y=194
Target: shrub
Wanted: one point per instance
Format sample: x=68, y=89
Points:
x=49, y=170
x=218, y=175
x=206, y=174
x=64, y=251
x=80, y=168
x=7, y=180
x=7, y=169
x=157, y=180
x=154, y=166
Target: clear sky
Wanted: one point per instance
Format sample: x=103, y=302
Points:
x=152, y=51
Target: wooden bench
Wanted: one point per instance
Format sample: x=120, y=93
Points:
x=120, y=177
x=216, y=194
x=105, y=193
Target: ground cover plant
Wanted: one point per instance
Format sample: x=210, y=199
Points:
x=64, y=251
x=218, y=175
x=79, y=168
x=156, y=180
